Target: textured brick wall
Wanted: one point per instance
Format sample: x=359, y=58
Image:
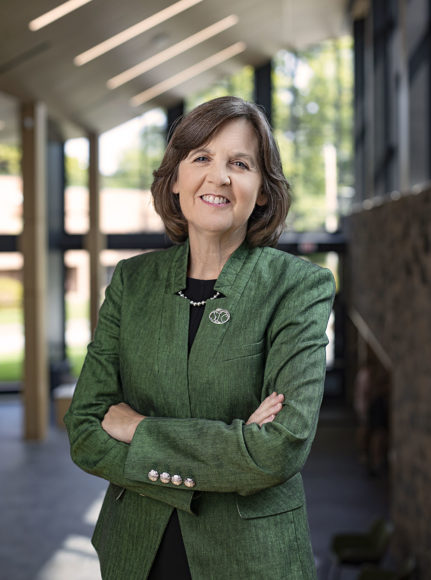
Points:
x=389, y=279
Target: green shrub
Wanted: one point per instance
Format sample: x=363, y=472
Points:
x=10, y=292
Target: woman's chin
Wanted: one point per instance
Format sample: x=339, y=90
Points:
x=222, y=231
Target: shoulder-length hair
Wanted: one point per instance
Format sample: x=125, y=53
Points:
x=266, y=223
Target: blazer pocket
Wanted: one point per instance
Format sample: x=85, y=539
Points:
x=273, y=500
x=244, y=350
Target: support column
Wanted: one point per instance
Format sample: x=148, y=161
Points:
x=403, y=100
x=34, y=247
x=360, y=128
x=95, y=241
x=263, y=88
x=369, y=107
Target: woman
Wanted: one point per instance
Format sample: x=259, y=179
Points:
x=199, y=396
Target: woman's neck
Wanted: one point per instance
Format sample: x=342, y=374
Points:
x=208, y=256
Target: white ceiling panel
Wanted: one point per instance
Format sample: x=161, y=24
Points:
x=39, y=65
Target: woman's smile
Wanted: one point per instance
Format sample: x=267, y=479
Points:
x=215, y=200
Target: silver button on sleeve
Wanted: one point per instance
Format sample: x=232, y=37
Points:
x=176, y=479
x=153, y=475
x=189, y=482
x=165, y=477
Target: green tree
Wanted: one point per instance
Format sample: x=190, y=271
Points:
x=136, y=164
x=10, y=159
x=76, y=171
x=312, y=108
x=240, y=84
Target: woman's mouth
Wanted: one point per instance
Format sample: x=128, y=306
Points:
x=215, y=199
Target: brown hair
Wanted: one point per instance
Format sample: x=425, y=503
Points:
x=266, y=223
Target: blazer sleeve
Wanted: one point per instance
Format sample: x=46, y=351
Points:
x=244, y=458
x=99, y=387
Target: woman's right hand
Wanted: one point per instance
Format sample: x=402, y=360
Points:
x=267, y=410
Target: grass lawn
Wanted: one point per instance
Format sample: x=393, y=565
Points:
x=11, y=368
x=11, y=364
x=11, y=316
x=76, y=355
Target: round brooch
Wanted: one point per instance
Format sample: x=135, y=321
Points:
x=219, y=316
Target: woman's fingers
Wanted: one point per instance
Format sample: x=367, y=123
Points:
x=267, y=410
x=121, y=421
x=267, y=420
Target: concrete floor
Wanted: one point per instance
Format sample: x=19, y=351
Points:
x=48, y=506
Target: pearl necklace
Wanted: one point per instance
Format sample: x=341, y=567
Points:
x=202, y=302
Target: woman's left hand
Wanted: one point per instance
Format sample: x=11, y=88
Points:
x=121, y=421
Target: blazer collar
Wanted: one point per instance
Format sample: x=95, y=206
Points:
x=232, y=278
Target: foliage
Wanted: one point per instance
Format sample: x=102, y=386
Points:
x=76, y=171
x=312, y=108
x=239, y=84
x=136, y=165
x=10, y=292
x=11, y=367
x=10, y=159
x=76, y=356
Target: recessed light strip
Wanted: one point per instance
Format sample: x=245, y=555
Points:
x=134, y=31
x=56, y=14
x=172, y=51
x=188, y=73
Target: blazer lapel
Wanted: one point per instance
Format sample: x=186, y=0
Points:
x=172, y=346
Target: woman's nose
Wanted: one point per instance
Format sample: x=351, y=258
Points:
x=219, y=175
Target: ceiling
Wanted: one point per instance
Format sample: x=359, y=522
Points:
x=40, y=64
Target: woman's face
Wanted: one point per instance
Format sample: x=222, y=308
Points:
x=219, y=183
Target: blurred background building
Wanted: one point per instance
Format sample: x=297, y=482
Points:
x=88, y=92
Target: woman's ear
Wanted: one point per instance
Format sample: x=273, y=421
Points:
x=175, y=190
x=262, y=198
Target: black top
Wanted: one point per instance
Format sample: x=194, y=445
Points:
x=197, y=290
x=171, y=558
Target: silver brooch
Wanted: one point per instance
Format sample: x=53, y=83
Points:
x=219, y=316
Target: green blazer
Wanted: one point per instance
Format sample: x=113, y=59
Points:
x=245, y=515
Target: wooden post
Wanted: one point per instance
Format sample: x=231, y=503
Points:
x=34, y=247
x=95, y=241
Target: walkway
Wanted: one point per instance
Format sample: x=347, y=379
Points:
x=48, y=506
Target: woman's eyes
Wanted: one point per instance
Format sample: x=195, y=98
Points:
x=204, y=158
x=240, y=164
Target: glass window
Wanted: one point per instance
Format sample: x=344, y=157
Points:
x=128, y=156
x=77, y=299
x=313, y=123
x=11, y=222
x=11, y=319
x=10, y=171
x=76, y=202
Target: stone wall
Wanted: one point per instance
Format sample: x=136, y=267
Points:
x=389, y=286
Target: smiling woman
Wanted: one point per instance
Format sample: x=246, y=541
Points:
x=199, y=396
